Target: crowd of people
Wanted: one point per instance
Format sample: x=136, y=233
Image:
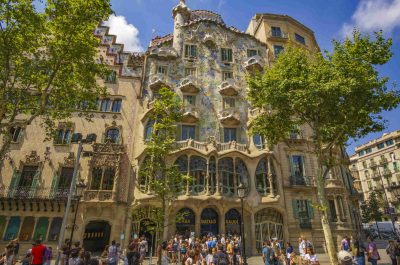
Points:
x=189, y=250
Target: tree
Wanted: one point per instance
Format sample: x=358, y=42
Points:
x=48, y=62
x=371, y=209
x=338, y=94
x=165, y=181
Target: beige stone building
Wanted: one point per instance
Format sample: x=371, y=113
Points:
x=205, y=62
x=376, y=167
x=36, y=176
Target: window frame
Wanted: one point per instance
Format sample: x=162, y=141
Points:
x=188, y=51
x=281, y=49
x=190, y=71
x=228, y=102
x=249, y=51
x=111, y=139
x=227, y=75
x=191, y=127
x=230, y=129
x=66, y=131
x=274, y=30
x=164, y=69
x=119, y=106
x=15, y=138
x=225, y=53
x=299, y=38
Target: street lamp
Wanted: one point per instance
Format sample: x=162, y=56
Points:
x=80, y=188
x=241, y=190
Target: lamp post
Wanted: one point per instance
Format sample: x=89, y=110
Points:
x=241, y=190
x=76, y=138
x=80, y=187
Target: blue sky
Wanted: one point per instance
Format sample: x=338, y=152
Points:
x=138, y=21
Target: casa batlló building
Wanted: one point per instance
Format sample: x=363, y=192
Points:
x=205, y=62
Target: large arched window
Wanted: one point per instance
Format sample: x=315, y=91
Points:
x=148, y=130
x=112, y=135
x=264, y=185
x=198, y=171
x=182, y=164
x=226, y=173
x=144, y=179
x=242, y=175
x=212, y=174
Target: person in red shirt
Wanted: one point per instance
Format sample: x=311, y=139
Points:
x=38, y=253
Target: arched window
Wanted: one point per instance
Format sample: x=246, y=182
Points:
x=212, y=173
x=102, y=178
x=242, y=175
x=258, y=141
x=226, y=173
x=198, y=171
x=182, y=164
x=263, y=184
x=112, y=135
x=148, y=130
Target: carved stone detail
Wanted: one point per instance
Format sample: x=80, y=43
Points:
x=32, y=158
x=70, y=160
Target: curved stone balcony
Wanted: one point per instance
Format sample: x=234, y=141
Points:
x=190, y=114
x=189, y=85
x=163, y=53
x=228, y=88
x=207, y=147
x=230, y=117
x=254, y=63
x=158, y=81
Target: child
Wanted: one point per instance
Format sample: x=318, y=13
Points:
x=27, y=259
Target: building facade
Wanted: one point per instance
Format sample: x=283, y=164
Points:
x=205, y=62
x=36, y=175
x=376, y=167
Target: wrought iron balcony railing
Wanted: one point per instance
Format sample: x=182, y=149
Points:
x=23, y=193
x=302, y=181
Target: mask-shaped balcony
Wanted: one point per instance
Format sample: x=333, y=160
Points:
x=254, y=63
x=158, y=81
x=188, y=85
x=163, y=53
x=229, y=117
x=190, y=114
x=228, y=88
x=208, y=40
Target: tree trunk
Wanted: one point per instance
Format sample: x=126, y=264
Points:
x=5, y=147
x=330, y=244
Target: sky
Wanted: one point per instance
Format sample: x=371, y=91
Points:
x=136, y=22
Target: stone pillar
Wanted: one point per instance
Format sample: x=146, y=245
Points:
x=34, y=228
x=208, y=178
x=48, y=228
x=252, y=238
x=235, y=178
x=128, y=227
x=6, y=226
x=115, y=182
x=270, y=178
x=222, y=221
x=197, y=224
x=188, y=172
x=20, y=226
x=339, y=219
x=217, y=179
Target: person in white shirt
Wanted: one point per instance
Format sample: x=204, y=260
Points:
x=311, y=257
x=302, y=246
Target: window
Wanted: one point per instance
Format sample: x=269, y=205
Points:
x=263, y=172
x=229, y=134
x=276, y=32
x=303, y=209
x=366, y=172
x=258, y=141
x=226, y=55
x=389, y=142
x=300, y=39
x=251, y=53
x=277, y=50
x=364, y=163
x=227, y=75
x=29, y=173
x=190, y=72
x=361, y=153
x=162, y=69
x=116, y=105
x=228, y=103
x=188, y=132
x=63, y=136
x=369, y=184
x=332, y=211
x=105, y=104
x=189, y=100
x=396, y=167
x=148, y=130
x=112, y=135
x=380, y=145
x=111, y=77
x=297, y=167
x=102, y=178
x=65, y=177
x=15, y=134
x=190, y=51
x=368, y=150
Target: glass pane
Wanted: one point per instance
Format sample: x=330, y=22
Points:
x=28, y=173
x=188, y=132
x=65, y=177
x=96, y=178
x=108, y=179
x=229, y=134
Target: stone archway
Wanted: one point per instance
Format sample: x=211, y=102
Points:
x=269, y=224
x=209, y=222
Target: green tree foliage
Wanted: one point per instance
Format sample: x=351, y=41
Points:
x=165, y=181
x=338, y=94
x=371, y=209
x=47, y=60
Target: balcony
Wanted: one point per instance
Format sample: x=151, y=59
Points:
x=158, y=81
x=277, y=35
x=190, y=114
x=373, y=164
x=209, y=40
x=28, y=193
x=211, y=146
x=228, y=88
x=254, y=63
x=383, y=161
x=229, y=117
x=306, y=181
x=232, y=146
x=98, y=195
x=163, y=53
x=188, y=85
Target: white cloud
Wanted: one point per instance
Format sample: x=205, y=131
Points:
x=126, y=33
x=371, y=15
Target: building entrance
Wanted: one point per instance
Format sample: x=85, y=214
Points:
x=232, y=222
x=96, y=236
x=185, y=222
x=269, y=224
x=209, y=222
x=148, y=230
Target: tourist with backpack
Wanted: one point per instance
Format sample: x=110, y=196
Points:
x=268, y=253
x=48, y=255
x=133, y=255
x=221, y=258
x=112, y=256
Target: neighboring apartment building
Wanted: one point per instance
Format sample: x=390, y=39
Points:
x=36, y=176
x=376, y=167
x=205, y=62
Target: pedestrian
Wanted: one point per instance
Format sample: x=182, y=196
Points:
x=267, y=253
x=143, y=248
x=373, y=254
x=16, y=249
x=74, y=254
x=345, y=244
x=392, y=249
x=220, y=258
x=236, y=257
x=302, y=246
x=38, y=253
x=48, y=255
x=209, y=257
x=310, y=257
x=359, y=252
x=9, y=254
x=112, y=255
x=294, y=259
x=27, y=259
x=289, y=251
x=133, y=254
x=164, y=254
